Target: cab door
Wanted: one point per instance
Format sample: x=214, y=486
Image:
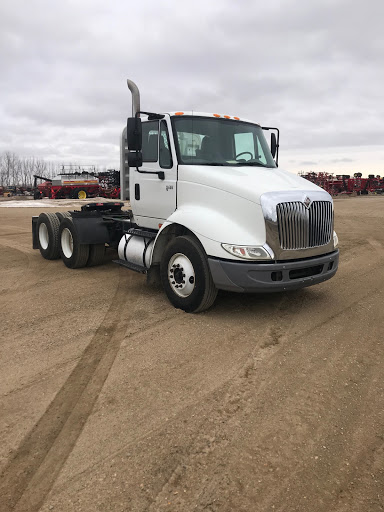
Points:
x=153, y=199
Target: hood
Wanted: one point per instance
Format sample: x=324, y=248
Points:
x=247, y=182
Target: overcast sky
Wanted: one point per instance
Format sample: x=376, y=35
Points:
x=314, y=69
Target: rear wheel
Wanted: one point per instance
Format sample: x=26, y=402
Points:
x=73, y=254
x=186, y=277
x=96, y=255
x=63, y=215
x=48, y=236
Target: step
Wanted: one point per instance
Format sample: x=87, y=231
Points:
x=142, y=233
x=131, y=266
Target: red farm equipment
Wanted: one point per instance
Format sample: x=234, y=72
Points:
x=74, y=185
x=344, y=184
x=109, y=184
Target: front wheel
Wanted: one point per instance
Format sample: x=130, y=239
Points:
x=186, y=277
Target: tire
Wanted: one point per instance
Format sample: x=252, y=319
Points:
x=63, y=215
x=79, y=193
x=73, y=254
x=185, y=258
x=48, y=236
x=37, y=194
x=96, y=255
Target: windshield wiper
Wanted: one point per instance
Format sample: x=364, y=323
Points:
x=211, y=163
x=255, y=164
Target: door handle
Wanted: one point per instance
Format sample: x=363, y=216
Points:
x=137, y=191
x=160, y=174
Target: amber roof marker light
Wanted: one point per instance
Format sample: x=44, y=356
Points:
x=179, y=113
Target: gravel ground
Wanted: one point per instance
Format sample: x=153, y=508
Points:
x=111, y=400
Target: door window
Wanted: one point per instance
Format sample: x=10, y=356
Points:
x=165, y=157
x=150, y=131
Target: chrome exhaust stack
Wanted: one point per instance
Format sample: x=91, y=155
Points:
x=135, y=97
x=124, y=168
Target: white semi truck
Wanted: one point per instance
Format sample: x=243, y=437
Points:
x=211, y=211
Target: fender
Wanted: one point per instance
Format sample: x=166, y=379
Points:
x=212, y=228
x=90, y=227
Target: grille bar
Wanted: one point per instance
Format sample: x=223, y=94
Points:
x=301, y=227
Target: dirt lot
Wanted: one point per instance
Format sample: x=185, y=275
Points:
x=111, y=400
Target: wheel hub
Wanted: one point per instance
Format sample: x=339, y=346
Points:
x=43, y=236
x=67, y=242
x=181, y=275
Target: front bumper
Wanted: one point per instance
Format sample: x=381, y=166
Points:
x=239, y=276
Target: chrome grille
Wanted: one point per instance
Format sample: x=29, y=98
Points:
x=301, y=227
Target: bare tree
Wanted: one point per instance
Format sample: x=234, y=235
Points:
x=18, y=171
x=9, y=165
x=2, y=171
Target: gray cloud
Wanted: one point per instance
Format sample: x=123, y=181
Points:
x=307, y=163
x=313, y=69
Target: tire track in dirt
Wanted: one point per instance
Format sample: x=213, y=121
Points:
x=30, y=474
x=15, y=233
x=141, y=437
x=31, y=271
x=61, y=366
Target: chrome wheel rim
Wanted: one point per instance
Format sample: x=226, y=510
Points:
x=181, y=275
x=67, y=242
x=43, y=236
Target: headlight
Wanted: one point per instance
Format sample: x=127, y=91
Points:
x=247, y=253
x=335, y=240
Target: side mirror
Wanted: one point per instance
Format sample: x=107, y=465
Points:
x=273, y=145
x=134, y=134
x=135, y=159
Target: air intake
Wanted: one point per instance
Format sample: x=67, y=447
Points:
x=302, y=227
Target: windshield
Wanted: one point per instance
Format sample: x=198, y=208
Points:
x=211, y=141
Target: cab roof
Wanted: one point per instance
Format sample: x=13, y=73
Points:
x=207, y=114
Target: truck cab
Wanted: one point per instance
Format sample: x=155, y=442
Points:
x=210, y=210
x=214, y=179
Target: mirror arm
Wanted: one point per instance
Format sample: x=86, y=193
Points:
x=277, y=142
x=152, y=116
